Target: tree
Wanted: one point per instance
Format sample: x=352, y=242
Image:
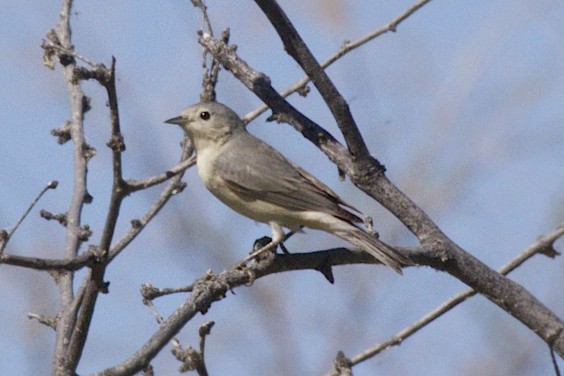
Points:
x=83, y=253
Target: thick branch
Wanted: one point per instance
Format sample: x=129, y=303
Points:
x=211, y=288
x=543, y=245
x=61, y=36
x=296, y=47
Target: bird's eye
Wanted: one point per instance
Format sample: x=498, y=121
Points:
x=204, y=115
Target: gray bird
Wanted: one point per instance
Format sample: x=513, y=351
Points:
x=257, y=181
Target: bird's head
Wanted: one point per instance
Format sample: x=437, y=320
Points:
x=208, y=123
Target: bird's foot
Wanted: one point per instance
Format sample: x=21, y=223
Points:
x=264, y=249
x=261, y=246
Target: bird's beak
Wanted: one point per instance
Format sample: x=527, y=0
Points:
x=176, y=120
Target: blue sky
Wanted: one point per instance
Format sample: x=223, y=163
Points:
x=463, y=104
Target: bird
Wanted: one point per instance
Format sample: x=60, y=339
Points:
x=257, y=181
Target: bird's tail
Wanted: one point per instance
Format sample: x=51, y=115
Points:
x=369, y=243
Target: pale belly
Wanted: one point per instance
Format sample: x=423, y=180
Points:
x=257, y=209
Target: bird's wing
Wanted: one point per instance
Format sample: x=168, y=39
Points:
x=256, y=170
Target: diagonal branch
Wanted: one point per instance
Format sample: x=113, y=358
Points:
x=5, y=235
x=173, y=187
x=296, y=47
x=345, y=49
x=183, y=165
x=543, y=245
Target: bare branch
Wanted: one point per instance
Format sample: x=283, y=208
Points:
x=543, y=245
x=347, y=47
x=209, y=76
x=54, y=48
x=149, y=292
x=6, y=238
x=135, y=185
x=73, y=264
x=554, y=362
x=61, y=217
x=205, y=291
x=45, y=320
x=174, y=187
x=188, y=356
x=296, y=47
x=96, y=282
x=204, y=331
x=191, y=359
x=206, y=24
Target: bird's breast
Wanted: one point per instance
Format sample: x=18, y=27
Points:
x=252, y=204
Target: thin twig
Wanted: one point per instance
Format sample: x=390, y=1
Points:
x=135, y=185
x=204, y=331
x=173, y=187
x=47, y=44
x=345, y=49
x=554, y=361
x=209, y=76
x=206, y=24
x=149, y=292
x=160, y=320
x=45, y=320
x=51, y=185
x=543, y=244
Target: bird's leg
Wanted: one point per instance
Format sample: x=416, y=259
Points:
x=278, y=237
